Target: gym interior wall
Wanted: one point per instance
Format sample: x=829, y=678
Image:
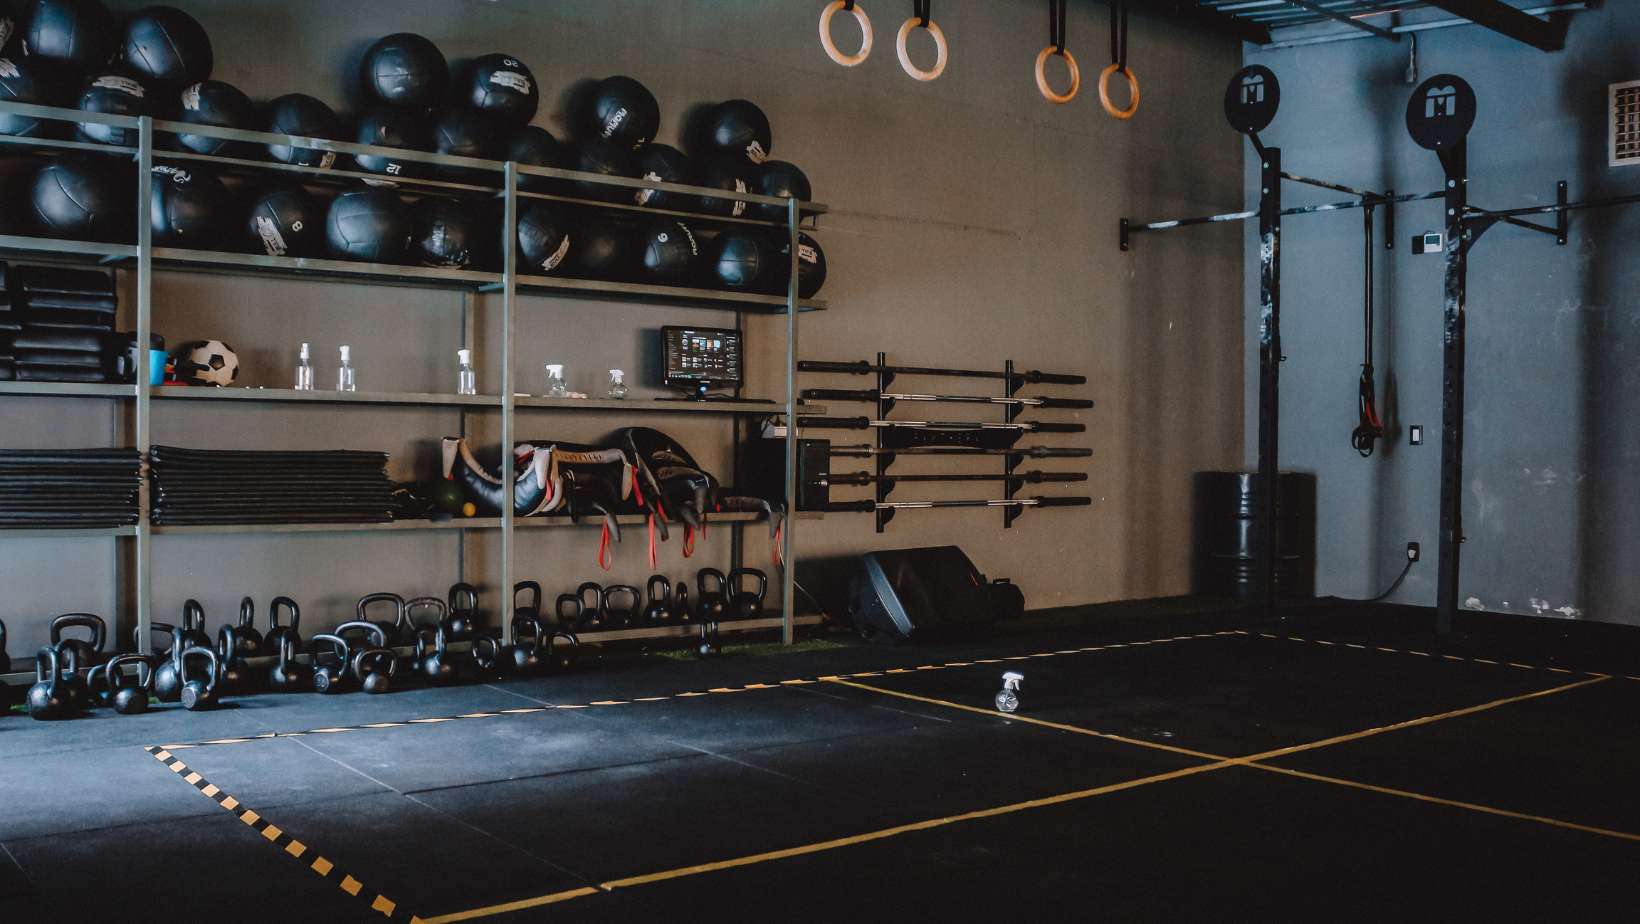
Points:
x=1552, y=489
x=971, y=224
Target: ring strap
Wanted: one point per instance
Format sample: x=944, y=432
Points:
x=1056, y=25
x=921, y=10
x=1119, y=34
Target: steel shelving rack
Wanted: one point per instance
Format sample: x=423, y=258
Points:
x=143, y=258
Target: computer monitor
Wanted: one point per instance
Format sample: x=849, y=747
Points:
x=699, y=359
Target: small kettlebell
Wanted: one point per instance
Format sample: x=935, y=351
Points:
x=523, y=656
x=193, y=626
x=274, y=642
x=201, y=693
x=232, y=673
x=680, y=602
x=659, y=609
x=329, y=676
x=250, y=641
x=712, y=599
x=375, y=637
x=483, y=658
x=376, y=667
x=743, y=603
x=288, y=675
x=463, y=599
x=591, y=616
x=124, y=697
x=436, y=665
x=562, y=650
x=74, y=687
x=168, y=675
x=706, y=646
x=45, y=699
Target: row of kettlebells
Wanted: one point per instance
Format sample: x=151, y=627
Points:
x=594, y=607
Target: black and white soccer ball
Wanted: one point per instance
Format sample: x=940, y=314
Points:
x=207, y=362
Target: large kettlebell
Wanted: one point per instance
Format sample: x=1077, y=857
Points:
x=436, y=665
x=193, y=626
x=232, y=674
x=288, y=675
x=88, y=652
x=659, y=609
x=45, y=699
x=463, y=611
x=621, y=617
x=591, y=616
x=743, y=603
x=250, y=640
x=329, y=676
x=274, y=642
x=524, y=657
x=129, y=698
x=713, y=597
x=168, y=675
x=200, y=693
x=390, y=630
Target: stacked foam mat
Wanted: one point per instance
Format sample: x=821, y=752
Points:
x=56, y=324
x=68, y=488
x=204, y=486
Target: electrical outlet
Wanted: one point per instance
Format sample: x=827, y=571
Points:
x=1415, y=433
x=1413, y=551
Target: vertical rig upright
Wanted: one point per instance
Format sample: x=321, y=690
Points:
x=788, y=569
x=142, y=420
x=1269, y=378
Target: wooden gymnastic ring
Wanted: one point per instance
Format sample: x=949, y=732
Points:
x=830, y=46
x=1104, y=92
x=1042, y=75
x=905, y=57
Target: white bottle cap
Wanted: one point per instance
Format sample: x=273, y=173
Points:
x=616, y=374
x=466, y=357
x=555, y=370
x=347, y=353
x=305, y=350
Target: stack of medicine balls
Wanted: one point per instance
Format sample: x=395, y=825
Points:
x=158, y=62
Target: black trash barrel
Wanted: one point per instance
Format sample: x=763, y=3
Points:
x=1227, y=515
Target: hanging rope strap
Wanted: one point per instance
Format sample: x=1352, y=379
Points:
x=826, y=42
x=1118, y=64
x=1056, y=46
x=1371, y=427
x=922, y=17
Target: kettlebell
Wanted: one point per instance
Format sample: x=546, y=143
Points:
x=45, y=699
x=193, y=626
x=200, y=693
x=524, y=657
x=463, y=611
x=659, y=609
x=274, y=642
x=376, y=667
x=390, y=630
x=713, y=598
x=706, y=646
x=532, y=604
x=87, y=652
x=591, y=616
x=125, y=697
x=136, y=637
x=329, y=676
x=680, y=603
x=288, y=675
x=231, y=671
x=562, y=650
x=250, y=640
x=568, y=611
x=436, y=665
x=168, y=675
x=743, y=603
x=422, y=630
x=483, y=658
x=621, y=617
x=5, y=659
x=374, y=637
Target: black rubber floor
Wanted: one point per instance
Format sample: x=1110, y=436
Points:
x=1399, y=775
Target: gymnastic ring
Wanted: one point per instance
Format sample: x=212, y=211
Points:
x=1042, y=75
x=905, y=57
x=1104, y=91
x=830, y=46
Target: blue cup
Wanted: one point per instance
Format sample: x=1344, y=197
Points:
x=156, y=367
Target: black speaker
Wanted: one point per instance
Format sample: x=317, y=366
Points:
x=763, y=471
x=921, y=594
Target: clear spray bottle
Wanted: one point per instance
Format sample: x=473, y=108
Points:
x=345, y=380
x=466, y=378
x=304, y=369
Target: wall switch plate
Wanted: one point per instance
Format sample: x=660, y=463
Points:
x=1413, y=551
x=1416, y=434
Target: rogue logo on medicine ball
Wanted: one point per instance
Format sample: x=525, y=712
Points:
x=1251, y=100
x=1441, y=112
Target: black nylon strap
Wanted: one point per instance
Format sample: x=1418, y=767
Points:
x=848, y=5
x=922, y=11
x=1056, y=25
x=1119, y=34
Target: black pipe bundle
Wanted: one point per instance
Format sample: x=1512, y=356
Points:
x=68, y=488
x=201, y=486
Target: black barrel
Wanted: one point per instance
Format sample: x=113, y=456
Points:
x=1227, y=514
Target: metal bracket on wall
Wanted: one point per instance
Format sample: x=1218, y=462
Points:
x=884, y=487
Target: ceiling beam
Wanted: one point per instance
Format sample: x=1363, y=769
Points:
x=1187, y=12
x=1347, y=20
x=1500, y=17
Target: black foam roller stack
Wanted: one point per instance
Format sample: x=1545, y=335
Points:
x=201, y=486
x=68, y=488
x=56, y=324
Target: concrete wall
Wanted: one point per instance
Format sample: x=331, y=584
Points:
x=973, y=222
x=1551, y=487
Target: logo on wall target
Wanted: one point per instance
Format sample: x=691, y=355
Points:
x=1441, y=112
x=1252, y=98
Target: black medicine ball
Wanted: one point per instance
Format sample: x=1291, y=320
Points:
x=607, y=159
x=671, y=253
x=286, y=222
x=23, y=80
x=543, y=238
x=534, y=146
x=465, y=133
x=811, y=266
x=302, y=115
x=81, y=199
x=623, y=111
x=739, y=259
x=666, y=164
x=404, y=70
x=738, y=128
x=167, y=46
x=187, y=207
x=441, y=233
x=500, y=86
x=370, y=224
x=781, y=180
x=215, y=103
x=113, y=93
x=603, y=249
x=729, y=175
x=392, y=128
x=77, y=34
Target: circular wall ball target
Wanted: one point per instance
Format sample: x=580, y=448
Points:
x=1441, y=112
x=603, y=249
x=662, y=163
x=369, y=224
x=942, y=52
x=286, y=222
x=1042, y=75
x=624, y=112
x=215, y=103
x=739, y=258
x=781, y=180
x=1133, y=91
x=302, y=116
x=738, y=128
x=404, y=69
x=500, y=86
x=441, y=232
x=186, y=207
x=23, y=80
x=75, y=34
x=534, y=146
x=167, y=46
x=671, y=253
x=387, y=127
x=112, y=93
x=830, y=45
x=729, y=175
x=604, y=158
x=1252, y=98
x=465, y=133
x=543, y=239
x=80, y=198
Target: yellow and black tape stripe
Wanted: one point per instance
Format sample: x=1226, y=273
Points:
x=291, y=847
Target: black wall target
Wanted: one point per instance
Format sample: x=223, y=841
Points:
x=1441, y=112
x=1252, y=98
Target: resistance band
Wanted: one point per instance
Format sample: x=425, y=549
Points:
x=1370, y=429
